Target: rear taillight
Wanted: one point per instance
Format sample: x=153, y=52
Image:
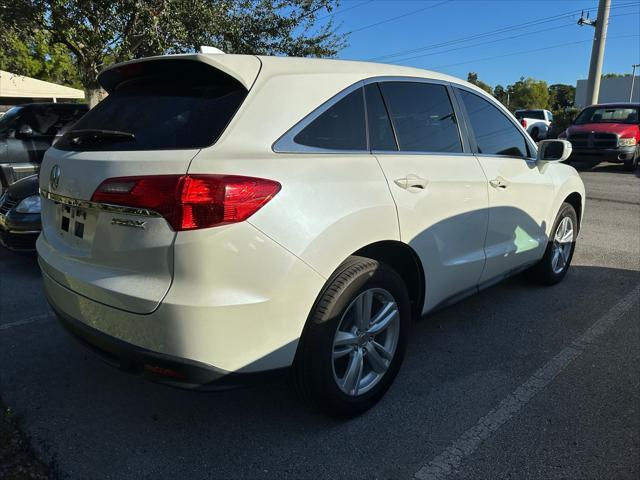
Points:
x=189, y=202
x=523, y=122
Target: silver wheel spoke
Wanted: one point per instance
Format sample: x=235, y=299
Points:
x=351, y=380
x=378, y=364
x=345, y=339
x=386, y=354
x=555, y=258
x=365, y=341
x=567, y=237
x=383, y=319
x=363, y=310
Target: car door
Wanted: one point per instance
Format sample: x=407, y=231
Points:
x=521, y=192
x=437, y=184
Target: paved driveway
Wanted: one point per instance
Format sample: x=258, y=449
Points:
x=517, y=382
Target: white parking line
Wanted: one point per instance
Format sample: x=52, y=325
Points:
x=35, y=319
x=451, y=458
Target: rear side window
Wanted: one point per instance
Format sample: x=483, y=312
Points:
x=537, y=114
x=380, y=132
x=423, y=117
x=341, y=127
x=160, y=105
x=495, y=133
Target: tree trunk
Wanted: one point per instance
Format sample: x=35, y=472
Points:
x=93, y=96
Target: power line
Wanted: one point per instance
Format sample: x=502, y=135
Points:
x=402, y=60
x=342, y=10
x=398, y=17
x=489, y=33
x=528, y=51
x=483, y=43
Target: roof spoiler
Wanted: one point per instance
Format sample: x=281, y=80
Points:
x=243, y=68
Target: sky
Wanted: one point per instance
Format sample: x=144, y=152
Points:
x=510, y=38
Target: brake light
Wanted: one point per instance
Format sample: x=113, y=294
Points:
x=523, y=122
x=190, y=202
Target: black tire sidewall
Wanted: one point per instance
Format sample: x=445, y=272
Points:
x=566, y=210
x=323, y=323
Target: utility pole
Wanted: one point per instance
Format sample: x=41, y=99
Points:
x=633, y=77
x=597, y=52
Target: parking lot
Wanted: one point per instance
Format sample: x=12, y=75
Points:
x=519, y=381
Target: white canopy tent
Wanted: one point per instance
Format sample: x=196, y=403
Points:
x=18, y=86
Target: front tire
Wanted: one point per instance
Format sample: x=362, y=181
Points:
x=355, y=338
x=557, y=257
x=632, y=164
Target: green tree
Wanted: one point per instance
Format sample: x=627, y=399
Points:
x=501, y=94
x=472, y=77
x=40, y=58
x=528, y=93
x=561, y=96
x=615, y=75
x=101, y=32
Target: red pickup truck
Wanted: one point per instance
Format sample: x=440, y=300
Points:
x=606, y=133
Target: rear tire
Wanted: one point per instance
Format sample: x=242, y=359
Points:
x=535, y=134
x=556, y=261
x=355, y=338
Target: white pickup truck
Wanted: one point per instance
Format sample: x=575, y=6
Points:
x=536, y=122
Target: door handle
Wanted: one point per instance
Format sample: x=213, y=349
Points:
x=412, y=181
x=499, y=182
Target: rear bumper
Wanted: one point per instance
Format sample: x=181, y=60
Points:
x=614, y=155
x=156, y=366
x=225, y=313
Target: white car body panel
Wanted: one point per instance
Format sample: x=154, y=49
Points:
x=453, y=205
x=519, y=221
x=237, y=297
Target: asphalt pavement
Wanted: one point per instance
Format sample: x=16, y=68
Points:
x=519, y=381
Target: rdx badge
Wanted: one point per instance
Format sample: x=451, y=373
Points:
x=128, y=223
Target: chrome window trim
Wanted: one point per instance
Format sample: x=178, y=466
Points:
x=285, y=143
x=104, y=207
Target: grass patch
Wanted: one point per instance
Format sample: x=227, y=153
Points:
x=17, y=459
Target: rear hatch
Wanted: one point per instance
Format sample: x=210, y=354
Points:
x=158, y=115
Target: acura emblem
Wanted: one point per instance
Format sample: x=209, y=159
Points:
x=54, y=178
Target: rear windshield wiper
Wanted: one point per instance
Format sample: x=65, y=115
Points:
x=77, y=137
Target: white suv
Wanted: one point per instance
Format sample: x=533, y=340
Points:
x=221, y=216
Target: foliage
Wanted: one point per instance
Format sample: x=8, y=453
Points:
x=472, y=77
x=562, y=119
x=615, y=75
x=562, y=96
x=501, y=94
x=101, y=32
x=40, y=58
x=528, y=93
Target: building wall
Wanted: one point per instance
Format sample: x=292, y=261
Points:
x=611, y=90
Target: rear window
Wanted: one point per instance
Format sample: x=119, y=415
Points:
x=159, y=105
x=538, y=114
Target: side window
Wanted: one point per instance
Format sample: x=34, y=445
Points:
x=423, y=116
x=380, y=131
x=495, y=133
x=46, y=120
x=341, y=127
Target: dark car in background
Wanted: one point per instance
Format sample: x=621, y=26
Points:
x=27, y=131
x=606, y=133
x=20, y=214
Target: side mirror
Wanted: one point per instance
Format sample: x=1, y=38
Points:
x=25, y=131
x=554, y=150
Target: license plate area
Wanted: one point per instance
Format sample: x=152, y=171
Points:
x=73, y=220
x=75, y=225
